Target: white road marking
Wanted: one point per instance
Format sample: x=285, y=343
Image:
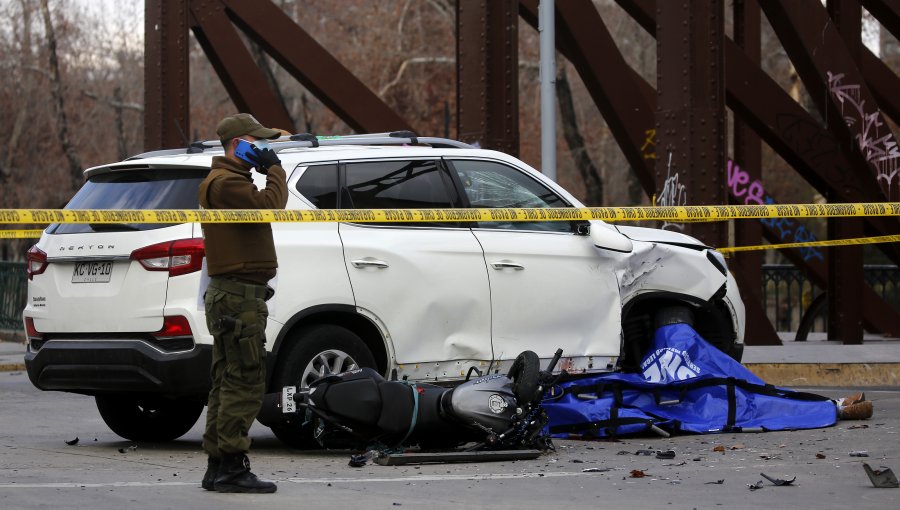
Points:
x=419, y=478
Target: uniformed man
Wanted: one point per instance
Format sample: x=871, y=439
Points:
x=240, y=261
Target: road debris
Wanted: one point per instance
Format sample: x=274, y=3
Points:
x=668, y=454
x=73, y=442
x=644, y=452
x=820, y=455
x=128, y=449
x=755, y=486
x=778, y=481
x=595, y=470
x=860, y=453
x=717, y=482
x=882, y=478
x=719, y=448
x=858, y=426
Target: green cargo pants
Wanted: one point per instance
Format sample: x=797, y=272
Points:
x=236, y=315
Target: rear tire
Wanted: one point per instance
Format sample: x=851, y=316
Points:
x=525, y=374
x=316, y=350
x=148, y=418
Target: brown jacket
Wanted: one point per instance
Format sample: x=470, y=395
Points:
x=244, y=251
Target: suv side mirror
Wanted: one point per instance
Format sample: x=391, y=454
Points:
x=607, y=238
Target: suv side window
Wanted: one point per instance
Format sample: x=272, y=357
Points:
x=489, y=185
x=418, y=184
x=319, y=184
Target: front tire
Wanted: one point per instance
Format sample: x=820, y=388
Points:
x=525, y=374
x=317, y=351
x=148, y=418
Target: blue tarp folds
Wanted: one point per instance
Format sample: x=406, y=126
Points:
x=686, y=385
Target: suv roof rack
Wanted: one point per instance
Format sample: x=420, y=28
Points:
x=312, y=141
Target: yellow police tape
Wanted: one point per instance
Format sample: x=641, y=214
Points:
x=811, y=244
x=690, y=213
x=728, y=251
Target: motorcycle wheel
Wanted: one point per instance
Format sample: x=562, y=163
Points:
x=317, y=351
x=525, y=374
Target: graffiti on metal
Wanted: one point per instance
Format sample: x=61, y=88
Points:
x=876, y=141
x=754, y=193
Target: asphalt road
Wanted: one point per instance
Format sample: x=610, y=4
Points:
x=39, y=470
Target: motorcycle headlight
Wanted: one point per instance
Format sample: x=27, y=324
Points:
x=718, y=260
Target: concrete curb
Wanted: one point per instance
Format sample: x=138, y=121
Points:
x=855, y=375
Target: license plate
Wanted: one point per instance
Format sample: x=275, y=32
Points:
x=287, y=400
x=92, y=272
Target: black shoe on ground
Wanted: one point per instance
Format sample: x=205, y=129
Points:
x=212, y=471
x=235, y=476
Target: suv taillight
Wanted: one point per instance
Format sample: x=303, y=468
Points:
x=36, y=262
x=35, y=338
x=177, y=257
x=174, y=326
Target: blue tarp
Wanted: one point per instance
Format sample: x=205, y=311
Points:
x=685, y=385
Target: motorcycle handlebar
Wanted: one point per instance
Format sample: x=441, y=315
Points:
x=555, y=360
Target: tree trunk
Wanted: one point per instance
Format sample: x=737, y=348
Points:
x=56, y=91
x=593, y=184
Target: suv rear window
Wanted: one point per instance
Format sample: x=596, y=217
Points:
x=150, y=188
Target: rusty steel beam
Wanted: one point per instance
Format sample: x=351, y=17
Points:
x=582, y=37
x=845, y=263
x=487, y=74
x=166, y=78
x=883, y=82
x=690, y=114
x=824, y=63
x=786, y=127
x=748, y=151
x=235, y=66
x=311, y=64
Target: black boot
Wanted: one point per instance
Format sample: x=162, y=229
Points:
x=212, y=471
x=235, y=476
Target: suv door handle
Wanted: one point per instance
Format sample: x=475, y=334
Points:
x=507, y=264
x=369, y=262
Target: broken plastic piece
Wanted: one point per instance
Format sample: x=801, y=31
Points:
x=129, y=449
x=637, y=473
x=860, y=453
x=644, y=452
x=717, y=482
x=778, y=481
x=668, y=454
x=754, y=486
x=882, y=478
x=72, y=442
x=595, y=470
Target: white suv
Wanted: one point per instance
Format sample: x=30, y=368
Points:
x=116, y=311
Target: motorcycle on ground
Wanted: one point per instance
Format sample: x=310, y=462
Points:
x=361, y=409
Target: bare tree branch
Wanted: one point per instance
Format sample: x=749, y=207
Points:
x=114, y=103
x=59, y=103
x=413, y=60
x=445, y=9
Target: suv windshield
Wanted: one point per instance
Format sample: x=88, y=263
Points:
x=148, y=188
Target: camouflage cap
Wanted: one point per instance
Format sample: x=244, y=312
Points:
x=244, y=124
